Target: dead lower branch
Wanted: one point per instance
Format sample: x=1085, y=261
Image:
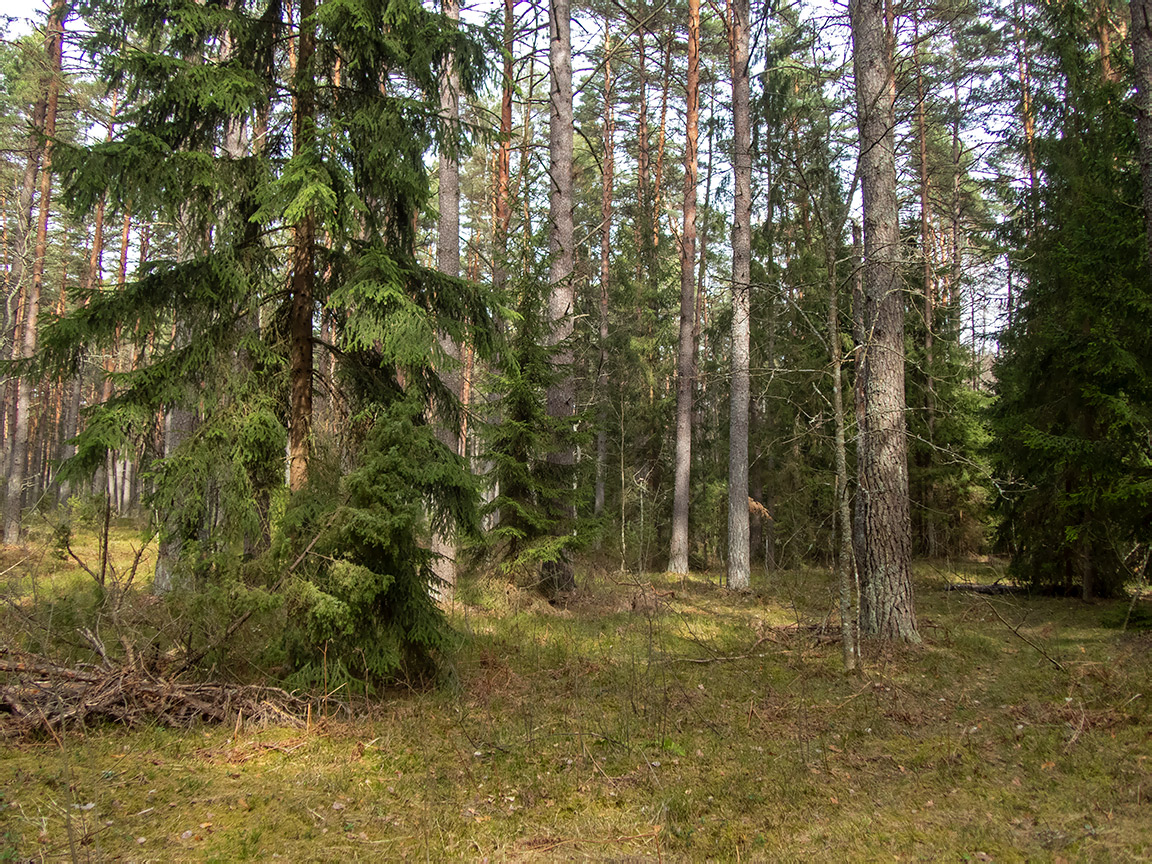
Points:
x=38, y=695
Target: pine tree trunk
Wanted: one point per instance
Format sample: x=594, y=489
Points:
x=646, y=257
x=739, y=558
x=661, y=141
x=15, y=286
x=930, y=537
x=561, y=397
x=110, y=362
x=21, y=432
x=303, y=269
x=504, y=157
x=1141, y=34
x=606, y=190
x=678, y=554
x=882, y=505
x=448, y=262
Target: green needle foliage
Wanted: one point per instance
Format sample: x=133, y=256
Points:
x=1074, y=410
x=205, y=150
x=531, y=526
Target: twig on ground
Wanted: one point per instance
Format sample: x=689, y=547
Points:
x=1016, y=631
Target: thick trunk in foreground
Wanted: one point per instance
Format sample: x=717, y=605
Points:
x=678, y=554
x=557, y=575
x=739, y=558
x=884, y=530
x=20, y=436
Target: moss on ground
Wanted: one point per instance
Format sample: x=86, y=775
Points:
x=653, y=718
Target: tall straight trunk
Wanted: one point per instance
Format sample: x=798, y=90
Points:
x=644, y=260
x=4, y=222
x=110, y=362
x=15, y=287
x=606, y=190
x=20, y=438
x=678, y=553
x=1141, y=34
x=89, y=280
x=930, y=539
x=661, y=140
x=739, y=557
x=503, y=215
x=882, y=506
x=303, y=267
x=448, y=262
x=561, y=397
x=1028, y=120
x=843, y=518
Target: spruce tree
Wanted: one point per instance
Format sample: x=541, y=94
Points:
x=1074, y=381
x=255, y=131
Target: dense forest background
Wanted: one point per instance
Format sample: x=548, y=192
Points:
x=341, y=300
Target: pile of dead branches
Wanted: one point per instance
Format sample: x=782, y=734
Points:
x=38, y=695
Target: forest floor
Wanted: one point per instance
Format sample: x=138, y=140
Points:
x=650, y=718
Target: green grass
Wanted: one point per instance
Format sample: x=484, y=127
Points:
x=590, y=732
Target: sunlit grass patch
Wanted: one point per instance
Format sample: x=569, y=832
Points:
x=651, y=717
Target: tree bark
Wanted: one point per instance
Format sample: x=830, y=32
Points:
x=561, y=397
x=606, y=190
x=448, y=262
x=303, y=268
x=20, y=440
x=882, y=505
x=843, y=512
x=929, y=521
x=15, y=288
x=678, y=554
x=739, y=558
x=504, y=157
x=1141, y=34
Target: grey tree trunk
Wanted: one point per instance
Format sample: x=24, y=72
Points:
x=739, y=557
x=606, y=191
x=845, y=566
x=1141, y=34
x=15, y=284
x=884, y=530
x=448, y=262
x=21, y=430
x=931, y=542
x=557, y=575
x=681, y=496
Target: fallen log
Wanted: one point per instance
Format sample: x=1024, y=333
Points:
x=982, y=588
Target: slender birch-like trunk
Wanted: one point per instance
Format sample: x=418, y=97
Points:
x=739, y=555
x=678, y=553
x=561, y=397
x=448, y=262
x=606, y=190
x=21, y=431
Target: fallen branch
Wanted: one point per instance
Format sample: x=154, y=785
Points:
x=1016, y=630
x=42, y=696
x=980, y=588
